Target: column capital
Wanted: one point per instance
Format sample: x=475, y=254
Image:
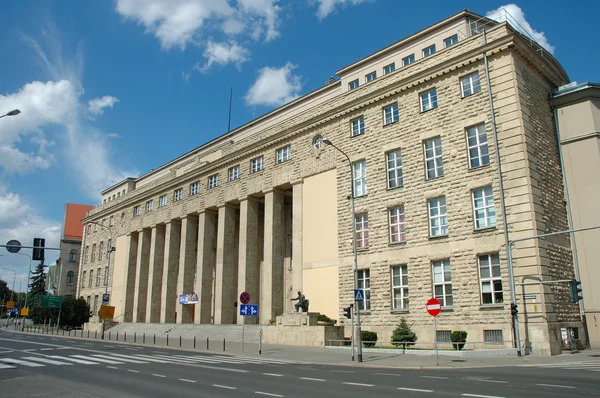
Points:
x=297, y=181
x=268, y=190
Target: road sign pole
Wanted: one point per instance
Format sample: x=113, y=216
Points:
x=243, y=324
x=437, y=358
x=352, y=323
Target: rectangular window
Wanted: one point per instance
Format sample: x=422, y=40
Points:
x=111, y=221
x=194, y=188
x=408, y=60
x=493, y=336
x=178, y=195
x=362, y=230
x=390, y=114
x=470, y=85
x=353, y=84
x=91, y=280
x=442, y=282
x=443, y=336
x=284, y=154
x=389, y=68
x=359, y=169
x=429, y=51
x=213, y=181
x=433, y=158
x=358, y=126
x=233, y=173
x=136, y=211
x=397, y=223
x=364, y=284
x=400, y=288
x=371, y=76
x=256, y=164
x=109, y=244
x=438, y=221
x=95, y=311
x=162, y=201
x=149, y=205
x=450, y=41
x=98, y=276
x=100, y=251
x=394, y=169
x=105, y=276
x=478, y=146
x=490, y=279
x=484, y=212
x=429, y=100
x=83, y=280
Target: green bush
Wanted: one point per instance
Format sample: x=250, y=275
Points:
x=458, y=338
x=368, y=338
x=403, y=334
x=325, y=318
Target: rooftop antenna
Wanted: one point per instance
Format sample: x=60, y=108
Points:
x=229, y=118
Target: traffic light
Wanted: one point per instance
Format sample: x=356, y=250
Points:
x=513, y=309
x=348, y=311
x=38, y=251
x=575, y=291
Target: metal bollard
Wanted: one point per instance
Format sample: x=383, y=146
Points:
x=88, y=333
x=167, y=340
x=207, y=343
x=109, y=335
x=95, y=334
x=81, y=332
x=223, y=344
x=194, y=341
x=124, y=336
x=134, y=336
x=144, y=338
x=117, y=335
x=179, y=340
x=154, y=338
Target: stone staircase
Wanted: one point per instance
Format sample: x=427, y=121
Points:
x=214, y=332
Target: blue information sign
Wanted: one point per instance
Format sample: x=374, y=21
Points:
x=105, y=298
x=249, y=309
x=359, y=295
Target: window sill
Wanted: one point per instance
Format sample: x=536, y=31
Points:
x=392, y=244
x=428, y=110
x=393, y=189
x=438, y=237
x=390, y=123
x=486, y=229
x=478, y=168
x=362, y=249
x=491, y=306
x=434, y=178
x=400, y=311
x=365, y=312
x=357, y=135
x=447, y=309
x=470, y=95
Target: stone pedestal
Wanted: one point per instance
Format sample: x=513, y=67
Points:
x=301, y=328
x=297, y=319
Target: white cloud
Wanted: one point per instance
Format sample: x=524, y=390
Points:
x=96, y=106
x=513, y=14
x=274, y=86
x=114, y=135
x=327, y=7
x=223, y=54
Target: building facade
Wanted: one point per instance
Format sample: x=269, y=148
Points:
x=451, y=151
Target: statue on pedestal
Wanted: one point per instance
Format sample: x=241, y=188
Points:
x=302, y=303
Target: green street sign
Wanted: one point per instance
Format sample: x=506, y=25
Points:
x=40, y=301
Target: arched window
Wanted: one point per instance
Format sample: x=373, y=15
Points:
x=70, y=277
x=73, y=255
x=93, y=252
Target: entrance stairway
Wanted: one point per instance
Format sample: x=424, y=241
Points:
x=213, y=332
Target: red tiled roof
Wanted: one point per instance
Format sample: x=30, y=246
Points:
x=74, y=213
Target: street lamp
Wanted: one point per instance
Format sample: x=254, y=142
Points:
x=358, y=337
x=12, y=291
x=14, y=112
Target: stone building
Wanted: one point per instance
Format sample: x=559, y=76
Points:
x=427, y=123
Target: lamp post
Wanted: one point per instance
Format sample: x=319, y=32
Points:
x=12, y=291
x=357, y=306
x=109, y=251
x=14, y=112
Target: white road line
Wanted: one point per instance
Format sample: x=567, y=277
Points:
x=157, y=375
x=84, y=357
x=24, y=363
x=227, y=387
x=311, y=379
x=267, y=393
x=342, y=371
x=387, y=374
x=413, y=389
x=145, y=358
x=81, y=361
x=434, y=377
x=554, y=385
x=480, y=396
x=133, y=371
x=493, y=381
x=272, y=374
x=46, y=349
x=120, y=359
x=7, y=367
x=112, y=367
x=357, y=384
x=46, y=360
x=189, y=381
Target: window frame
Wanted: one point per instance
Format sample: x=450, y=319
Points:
x=137, y=211
x=354, y=84
x=441, y=217
x=285, y=152
x=429, y=48
x=428, y=100
x=482, y=148
x=73, y=255
x=472, y=85
x=409, y=59
x=70, y=278
x=369, y=77
x=257, y=164
x=194, y=188
x=359, y=178
x=357, y=126
x=493, y=262
x=100, y=250
x=111, y=221
x=437, y=159
x=396, y=169
x=98, y=276
x=233, y=173
x=178, y=195
x=163, y=201
x=400, y=224
x=105, y=275
x=364, y=280
x=213, y=181
x=402, y=288
x=389, y=68
x=83, y=280
x=149, y=205
x=93, y=256
x=91, y=279
x=489, y=216
x=444, y=263
x=394, y=114
x=361, y=221
x=451, y=38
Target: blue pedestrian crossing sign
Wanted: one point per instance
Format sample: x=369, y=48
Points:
x=248, y=309
x=359, y=295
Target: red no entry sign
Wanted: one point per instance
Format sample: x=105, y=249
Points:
x=434, y=307
x=245, y=298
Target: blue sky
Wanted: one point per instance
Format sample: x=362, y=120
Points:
x=112, y=89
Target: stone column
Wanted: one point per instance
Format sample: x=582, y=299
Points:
x=226, y=270
x=170, y=269
x=297, y=231
x=130, y=275
x=248, y=262
x=141, y=276
x=187, y=259
x=157, y=255
x=271, y=273
x=205, y=264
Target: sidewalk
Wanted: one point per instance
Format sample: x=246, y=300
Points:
x=331, y=355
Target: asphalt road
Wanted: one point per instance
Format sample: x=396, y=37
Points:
x=46, y=366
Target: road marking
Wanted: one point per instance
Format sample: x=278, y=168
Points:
x=357, y=384
x=311, y=379
x=46, y=360
x=145, y=358
x=554, y=385
x=46, y=349
x=98, y=359
x=227, y=387
x=24, y=363
x=342, y=371
x=112, y=367
x=413, y=389
x=493, y=381
x=267, y=393
x=157, y=375
x=133, y=371
x=189, y=381
x=480, y=396
x=7, y=367
x=434, y=377
x=81, y=361
x=387, y=374
x=120, y=359
x=272, y=374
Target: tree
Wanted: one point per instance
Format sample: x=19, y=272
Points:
x=403, y=334
x=38, y=282
x=74, y=312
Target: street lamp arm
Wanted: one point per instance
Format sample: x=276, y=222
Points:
x=14, y=112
